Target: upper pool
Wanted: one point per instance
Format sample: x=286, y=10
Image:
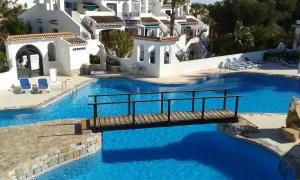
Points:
x=260, y=94
x=185, y=152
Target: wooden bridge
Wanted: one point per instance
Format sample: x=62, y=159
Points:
x=162, y=119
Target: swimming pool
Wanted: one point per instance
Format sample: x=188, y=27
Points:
x=260, y=94
x=187, y=152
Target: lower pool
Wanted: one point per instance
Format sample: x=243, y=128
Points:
x=186, y=152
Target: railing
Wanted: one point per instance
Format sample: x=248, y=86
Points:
x=162, y=100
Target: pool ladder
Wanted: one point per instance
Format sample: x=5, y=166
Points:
x=68, y=85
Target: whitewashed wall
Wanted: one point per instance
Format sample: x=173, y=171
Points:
x=65, y=23
x=7, y=79
x=204, y=64
x=77, y=58
x=159, y=69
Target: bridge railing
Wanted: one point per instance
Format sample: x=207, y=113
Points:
x=162, y=93
x=95, y=104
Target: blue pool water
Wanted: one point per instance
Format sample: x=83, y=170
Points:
x=260, y=94
x=186, y=152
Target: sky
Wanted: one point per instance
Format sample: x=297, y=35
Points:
x=204, y=1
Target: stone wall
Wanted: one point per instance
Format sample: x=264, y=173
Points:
x=242, y=127
x=37, y=165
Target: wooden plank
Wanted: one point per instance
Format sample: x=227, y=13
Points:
x=197, y=114
x=163, y=117
x=224, y=114
x=208, y=116
x=160, y=118
x=139, y=119
x=151, y=118
x=121, y=118
x=216, y=114
x=105, y=121
x=145, y=117
x=126, y=119
x=181, y=117
x=83, y=124
x=175, y=117
x=192, y=115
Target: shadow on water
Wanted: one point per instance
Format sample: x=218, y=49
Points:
x=209, y=148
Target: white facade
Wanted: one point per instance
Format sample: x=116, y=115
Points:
x=162, y=68
x=69, y=54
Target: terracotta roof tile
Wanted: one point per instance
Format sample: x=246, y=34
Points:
x=75, y=41
x=153, y=38
x=191, y=21
x=39, y=36
x=149, y=21
x=108, y=20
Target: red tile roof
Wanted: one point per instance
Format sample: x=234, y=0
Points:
x=39, y=36
x=75, y=41
x=71, y=38
x=108, y=20
x=153, y=38
x=149, y=21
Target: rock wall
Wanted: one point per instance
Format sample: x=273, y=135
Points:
x=56, y=157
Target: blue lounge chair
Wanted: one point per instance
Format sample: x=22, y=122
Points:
x=25, y=85
x=43, y=85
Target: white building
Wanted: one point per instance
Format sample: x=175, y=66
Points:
x=34, y=54
x=95, y=18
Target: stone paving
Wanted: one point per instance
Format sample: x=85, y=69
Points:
x=27, y=150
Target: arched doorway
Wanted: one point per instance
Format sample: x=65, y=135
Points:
x=125, y=9
x=29, y=62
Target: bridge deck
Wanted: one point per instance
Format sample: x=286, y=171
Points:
x=110, y=123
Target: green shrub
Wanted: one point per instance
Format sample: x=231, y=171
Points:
x=119, y=42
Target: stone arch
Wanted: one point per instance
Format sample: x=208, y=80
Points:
x=51, y=52
x=167, y=55
x=29, y=61
x=142, y=52
x=152, y=56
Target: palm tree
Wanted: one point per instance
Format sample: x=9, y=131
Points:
x=173, y=13
x=241, y=40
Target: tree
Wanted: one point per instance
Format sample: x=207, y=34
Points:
x=9, y=25
x=241, y=40
x=119, y=43
x=173, y=13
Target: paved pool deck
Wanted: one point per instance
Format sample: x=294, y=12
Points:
x=30, y=149
x=9, y=100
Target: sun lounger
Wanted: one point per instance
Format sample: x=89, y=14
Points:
x=256, y=62
x=43, y=85
x=25, y=85
x=237, y=63
x=250, y=63
x=233, y=66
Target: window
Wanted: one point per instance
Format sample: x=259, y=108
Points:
x=152, y=56
x=141, y=58
x=167, y=58
x=40, y=29
x=78, y=49
x=55, y=30
x=168, y=12
x=51, y=52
